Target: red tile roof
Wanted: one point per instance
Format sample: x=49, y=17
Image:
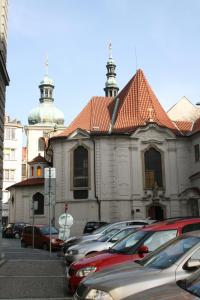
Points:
x=185, y=127
x=38, y=159
x=196, y=127
x=136, y=106
x=93, y=118
x=28, y=182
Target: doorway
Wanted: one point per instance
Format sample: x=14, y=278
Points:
x=156, y=212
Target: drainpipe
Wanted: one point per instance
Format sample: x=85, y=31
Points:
x=95, y=187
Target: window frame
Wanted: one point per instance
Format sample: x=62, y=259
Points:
x=162, y=168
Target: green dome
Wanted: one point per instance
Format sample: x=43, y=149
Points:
x=46, y=113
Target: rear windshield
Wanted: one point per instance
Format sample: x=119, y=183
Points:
x=45, y=230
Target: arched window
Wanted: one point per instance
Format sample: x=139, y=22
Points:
x=153, y=168
x=38, y=204
x=32, y=171
x=39, y=171
x=41, y=144
x=80, y=173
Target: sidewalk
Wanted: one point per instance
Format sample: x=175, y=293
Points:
x=31, y=274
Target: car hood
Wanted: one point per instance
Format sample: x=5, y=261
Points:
x=124, y=280
x=103, y=259
x=85, y=245
x=165, y=292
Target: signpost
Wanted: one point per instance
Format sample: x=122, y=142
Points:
x=49, y=187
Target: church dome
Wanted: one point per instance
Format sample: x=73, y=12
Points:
x=46, y=113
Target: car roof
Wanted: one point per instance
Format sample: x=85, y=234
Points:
x=171, y=224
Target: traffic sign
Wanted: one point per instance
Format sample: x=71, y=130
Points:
x=65, y=220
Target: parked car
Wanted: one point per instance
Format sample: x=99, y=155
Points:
x=186, y=289
x=13, y=230
x=104, y=242
x=92, y=225
x=101, y=231
x=133, y=247
x=41, y=237
x=175, y=260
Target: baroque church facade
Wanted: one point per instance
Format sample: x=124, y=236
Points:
x=124, y=157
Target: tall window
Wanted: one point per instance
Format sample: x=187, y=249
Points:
x=80, y=176
x=196, y=152
x=39, y=171
x=10, y=133
x=38, y=204
x=32, y=171
x=153, y=168
x=9, y=174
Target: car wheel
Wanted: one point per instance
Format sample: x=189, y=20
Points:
x=23, y=244
x=45, y=246
x=17, y=235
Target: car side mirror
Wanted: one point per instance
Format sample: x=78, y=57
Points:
x=192, y=264
x=142, y=250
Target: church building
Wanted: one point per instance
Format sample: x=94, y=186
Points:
x=124, y=157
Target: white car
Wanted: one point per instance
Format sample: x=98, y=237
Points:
x=104, y=242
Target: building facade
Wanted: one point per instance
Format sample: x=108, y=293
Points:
x=124, y=157
x=4, y=81
x=12, y=159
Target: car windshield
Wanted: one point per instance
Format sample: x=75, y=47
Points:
x=45, y=230
x=127, y=244
x=107, y=236
x=150, y=239
x=169, y=253
x=101, y=229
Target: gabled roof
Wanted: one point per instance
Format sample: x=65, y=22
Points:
x=135, y=106
x=28, y=182
x=138, y=106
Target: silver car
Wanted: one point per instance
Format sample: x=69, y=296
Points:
x=104, y=242
x=101, y=231
x=173, y=261
x=187, y=289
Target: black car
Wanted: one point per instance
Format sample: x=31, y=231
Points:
x=13, y=230
x=92, y=225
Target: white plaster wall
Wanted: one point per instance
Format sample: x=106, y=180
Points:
x=21, y=209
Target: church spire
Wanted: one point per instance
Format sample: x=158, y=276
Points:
x=46, y=86
x=111, y=89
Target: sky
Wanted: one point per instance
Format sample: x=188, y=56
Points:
x=160, y=37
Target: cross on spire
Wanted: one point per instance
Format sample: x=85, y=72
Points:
x=46, y=65
x=110, y=50
x=150, y=110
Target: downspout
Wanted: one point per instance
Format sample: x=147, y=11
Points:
x=95, y=186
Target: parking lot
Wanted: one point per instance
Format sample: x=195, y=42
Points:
x=31, y=273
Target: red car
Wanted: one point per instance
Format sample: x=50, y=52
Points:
x=132, y=247
x=41, y=237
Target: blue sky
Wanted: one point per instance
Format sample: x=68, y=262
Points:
x=75, y=35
